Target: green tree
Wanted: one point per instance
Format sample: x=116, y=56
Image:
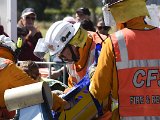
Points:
x=38, y=5
x=65, y=7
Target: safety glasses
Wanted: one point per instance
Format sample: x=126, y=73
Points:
x=61, y=56
x=30, y=18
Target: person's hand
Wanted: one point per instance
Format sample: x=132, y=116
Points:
x=32, y=30
x=57, y=73
x=58, y=92
x=59, y=104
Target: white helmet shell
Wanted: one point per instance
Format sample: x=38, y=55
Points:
x=59, y=34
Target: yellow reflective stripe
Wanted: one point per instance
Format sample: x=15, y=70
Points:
x=114, y=104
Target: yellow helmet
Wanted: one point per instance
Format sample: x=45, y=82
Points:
x=125, y=10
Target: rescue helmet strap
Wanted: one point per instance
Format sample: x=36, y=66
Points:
x=73, y=54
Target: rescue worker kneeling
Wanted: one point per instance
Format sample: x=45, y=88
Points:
x=12, y=76
x=128, y=66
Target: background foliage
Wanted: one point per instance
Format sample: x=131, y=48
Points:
x=53, y=10
x=49, y=11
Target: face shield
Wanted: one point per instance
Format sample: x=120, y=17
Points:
x=108, y=18
x=41, y=48
x=153, y=18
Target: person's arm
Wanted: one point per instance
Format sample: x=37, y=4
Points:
x=57, y=73
x=59, y=104
x=17, y=76
x=32, y=31
x=104, y=80
x=20, y=78
x=33, y=35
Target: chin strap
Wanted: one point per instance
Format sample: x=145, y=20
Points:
x=73, y=54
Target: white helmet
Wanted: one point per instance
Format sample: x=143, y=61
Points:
x=59, y=34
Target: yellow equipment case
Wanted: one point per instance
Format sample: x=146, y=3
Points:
x=84, y=106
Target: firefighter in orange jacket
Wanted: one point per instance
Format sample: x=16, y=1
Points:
x=71, y=44
x=12, y=76
x=128, y=66
x=86, y=58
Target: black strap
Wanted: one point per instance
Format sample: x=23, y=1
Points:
x=98, y=106
x=100, y=36
x=73, y=54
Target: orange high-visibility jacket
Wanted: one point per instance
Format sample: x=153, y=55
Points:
x=138, y=64
x=78, y=70
x=11, y=76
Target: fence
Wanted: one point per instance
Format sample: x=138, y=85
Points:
x=50, y=68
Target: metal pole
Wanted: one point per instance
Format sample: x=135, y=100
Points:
x=49, y=67
x=64, y=74
x=12, y=19
x=45, y=63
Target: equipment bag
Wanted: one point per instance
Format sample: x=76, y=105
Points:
x=83, y=105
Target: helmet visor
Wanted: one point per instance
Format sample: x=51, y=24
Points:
x=41, y=48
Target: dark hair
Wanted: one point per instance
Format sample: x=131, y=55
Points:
x=31, y=68
x=84, y=11
x=87, y=25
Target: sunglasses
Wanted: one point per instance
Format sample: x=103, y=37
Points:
x=30, y=18
x=103, y=27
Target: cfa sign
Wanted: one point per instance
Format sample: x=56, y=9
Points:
x=145, y=78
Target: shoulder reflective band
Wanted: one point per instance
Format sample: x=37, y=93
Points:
x=122, y=46
x=125, y=63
